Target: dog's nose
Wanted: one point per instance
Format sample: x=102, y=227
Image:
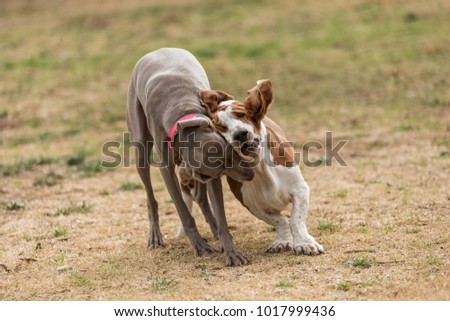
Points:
x=241, y=135
x=255, y=142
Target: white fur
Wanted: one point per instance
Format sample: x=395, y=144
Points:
x=270, y=192
x=232, y=124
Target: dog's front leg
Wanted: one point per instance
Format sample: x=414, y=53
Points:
x=232, y=256
x=304, y=243
x=198, y=243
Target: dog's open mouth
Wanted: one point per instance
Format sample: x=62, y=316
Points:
x=249, y=148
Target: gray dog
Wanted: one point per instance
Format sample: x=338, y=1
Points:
x=164, y=111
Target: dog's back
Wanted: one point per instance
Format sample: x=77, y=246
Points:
x=171, y=77
x=171, y=62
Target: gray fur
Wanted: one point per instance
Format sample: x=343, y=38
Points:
x=164, y=87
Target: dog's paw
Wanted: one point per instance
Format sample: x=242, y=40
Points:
x=308, y=248
x=280, y=246
x=200, y=247
x=155, y=239
x=234, y=258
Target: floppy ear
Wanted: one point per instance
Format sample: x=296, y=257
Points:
x=210, y=99
x=259, y=99
x=201, y=122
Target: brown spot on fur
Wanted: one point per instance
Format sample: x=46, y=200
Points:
x=211, y=99
x=258, y=101
x=215, y=119
x=282, y=151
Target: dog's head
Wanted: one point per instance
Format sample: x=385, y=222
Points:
x=240, y=123
x=205, y=154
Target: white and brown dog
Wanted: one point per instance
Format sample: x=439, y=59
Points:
x=278, y=180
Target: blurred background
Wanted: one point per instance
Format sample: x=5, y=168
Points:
x=375, y=73
x=348, y=65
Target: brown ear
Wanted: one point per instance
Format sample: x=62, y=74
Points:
x=259, y=99
x=210, y=99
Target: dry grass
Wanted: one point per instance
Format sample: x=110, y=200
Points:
x=375, y=73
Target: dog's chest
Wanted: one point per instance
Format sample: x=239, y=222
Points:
x=271, y=189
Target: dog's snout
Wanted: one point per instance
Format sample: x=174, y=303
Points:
x=240, y=135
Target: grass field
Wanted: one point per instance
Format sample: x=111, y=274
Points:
x=375, y=73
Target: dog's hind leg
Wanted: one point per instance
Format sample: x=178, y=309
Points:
x=304, y=243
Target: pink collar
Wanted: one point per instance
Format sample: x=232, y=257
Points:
x=174, y=127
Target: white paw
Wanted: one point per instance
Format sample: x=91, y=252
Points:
x=280, y=246
x=309, y=247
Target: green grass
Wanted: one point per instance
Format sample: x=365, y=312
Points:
x=78, y=280
x=341, y=193
x=59, y=259
x=284, y=284
x=50, y=179
x=104, y=192
x=42, y=137
x=363, y=229
x=327, y=226
x=293, y=262
x=87, y=167
x=130, y=186
x=90, y=168
x=344, y=286
x=159, y=283
x=433, y=261
x=27, y=237
x=60, y=232
x=82, y=208
x=442, y=141
x=77, y=158
x=378, y=144
x=362, y=262
x=24, y=165
x=12, y=206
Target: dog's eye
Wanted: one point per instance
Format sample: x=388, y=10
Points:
x=239, y=115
